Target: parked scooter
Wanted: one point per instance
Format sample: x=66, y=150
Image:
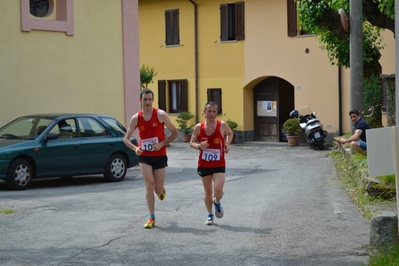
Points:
x=311, y=126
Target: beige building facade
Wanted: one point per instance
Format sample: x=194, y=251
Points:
x=243, y=55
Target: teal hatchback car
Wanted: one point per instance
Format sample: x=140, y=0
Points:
x=63, y=145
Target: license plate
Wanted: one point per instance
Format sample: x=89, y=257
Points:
x=317, y=135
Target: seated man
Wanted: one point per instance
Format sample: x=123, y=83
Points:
x=358, y=139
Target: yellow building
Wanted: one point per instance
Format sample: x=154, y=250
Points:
x=245, y=56
x=69, y=56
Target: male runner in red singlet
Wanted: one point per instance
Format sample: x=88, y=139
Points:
x=152, y=148
x=209, y=138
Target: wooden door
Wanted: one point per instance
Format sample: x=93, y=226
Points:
x=273, y=100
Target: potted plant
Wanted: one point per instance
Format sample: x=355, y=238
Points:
x=182, y=121
x=292, y=128
x=232, y=125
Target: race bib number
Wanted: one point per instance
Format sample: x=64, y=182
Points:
x=148, y=144
x=211, y=155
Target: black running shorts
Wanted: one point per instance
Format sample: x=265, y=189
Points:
x=157, y=162
x=202, y=171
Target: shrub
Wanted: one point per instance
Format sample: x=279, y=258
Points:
x=292, y=127
x=182, y=121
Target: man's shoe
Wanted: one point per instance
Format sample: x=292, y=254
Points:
x=162, y=195
x=150, y=223
x=209, y=219
x=218, y=209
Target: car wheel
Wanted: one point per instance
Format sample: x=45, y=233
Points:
x=115, y=170
x=19, y=175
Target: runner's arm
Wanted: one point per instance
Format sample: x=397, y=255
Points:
x=130, y=130
x=194, y=139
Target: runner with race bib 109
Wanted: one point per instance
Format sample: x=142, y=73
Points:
x=212, y=139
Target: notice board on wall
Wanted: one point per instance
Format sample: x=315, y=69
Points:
x=266, y=108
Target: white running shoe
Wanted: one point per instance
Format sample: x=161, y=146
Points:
x=218, y=209
x=209, y=219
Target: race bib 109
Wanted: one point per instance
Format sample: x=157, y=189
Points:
x=211, y=155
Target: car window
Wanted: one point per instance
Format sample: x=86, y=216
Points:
x=65, y=129
x=25, y=127
x=118, y=127
x=91, y=128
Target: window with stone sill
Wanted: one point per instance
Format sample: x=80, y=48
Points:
x=48, y=15
x=232, y=22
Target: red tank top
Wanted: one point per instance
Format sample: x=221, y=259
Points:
x=150, y=132
x=213, y=156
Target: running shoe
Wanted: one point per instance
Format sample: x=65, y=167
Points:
x=218, y=209
x=209, y=219
x=150, y=223
x=162, y=195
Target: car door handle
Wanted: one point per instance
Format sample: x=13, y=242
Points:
x=111, y=144
x=76, y=146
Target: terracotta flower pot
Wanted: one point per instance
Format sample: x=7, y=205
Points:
x=186, y=138
x=293, y=140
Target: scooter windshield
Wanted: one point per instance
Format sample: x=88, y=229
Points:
x=305, y=111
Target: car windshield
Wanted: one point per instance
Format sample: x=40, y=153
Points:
x=118, y=127
x=25, y=128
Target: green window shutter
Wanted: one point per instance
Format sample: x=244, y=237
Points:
x=172, y=31
x=176, y=34
x=168, y=26
x=224, y=27
x=183, y=95
x=239, y=20
x=291, y=18
x=162, y=94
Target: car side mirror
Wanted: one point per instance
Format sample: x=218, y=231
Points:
x=51, y=136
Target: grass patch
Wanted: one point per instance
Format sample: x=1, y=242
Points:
x=386, y=179
x=7, y=211
x=385, y=257
x=352, y=170
x=349, y=170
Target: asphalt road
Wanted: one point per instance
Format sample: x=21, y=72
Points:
x=283, y=206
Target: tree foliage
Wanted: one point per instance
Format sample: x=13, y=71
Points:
x=147, y=75
x=321, y=18
x=373, y=98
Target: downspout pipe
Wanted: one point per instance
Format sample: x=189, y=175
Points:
x=195, y=58
x=339, y=100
